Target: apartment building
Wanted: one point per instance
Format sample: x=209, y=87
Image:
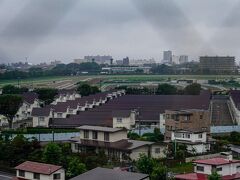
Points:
x=115, y=144
x=190, y=119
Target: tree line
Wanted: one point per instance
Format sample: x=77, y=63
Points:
x=58, y=70
x=164, y=89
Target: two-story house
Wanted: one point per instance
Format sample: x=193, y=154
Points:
x=30, y=101
x=196, y=141
x=39, y=171
x=114, y=142
x=228, y=169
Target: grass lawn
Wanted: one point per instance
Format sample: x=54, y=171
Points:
x=112, y=78
x=182, y=168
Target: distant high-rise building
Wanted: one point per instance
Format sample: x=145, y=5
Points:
x=167, y=57
x=183, y=59
x=126, y=61
x=99, y=59
x=219, y=64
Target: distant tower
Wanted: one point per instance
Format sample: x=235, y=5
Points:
x=111, y=61
x=167, y=56
x=126, y=61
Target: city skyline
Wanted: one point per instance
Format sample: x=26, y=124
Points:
x=65, y=30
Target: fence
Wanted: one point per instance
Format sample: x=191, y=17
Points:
x=51, y=136
x=224, y=129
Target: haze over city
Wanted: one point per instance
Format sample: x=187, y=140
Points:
x=63, y=30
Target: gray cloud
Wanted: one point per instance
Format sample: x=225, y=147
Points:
x=66, y=29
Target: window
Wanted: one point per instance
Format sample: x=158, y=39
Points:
x=106, y=136
x=70, y=111
x=157, y=150
x=57, y=176
x=200, y=168
x=94, y=135
x=119, y=120
x=201, y=116
x=59, y=115
x=86, y=134
x=188, y=136
x=186, y=118
x=21, y=173
x=219, y=169
x=200, y=136
x=36, y=176
x=41, y=119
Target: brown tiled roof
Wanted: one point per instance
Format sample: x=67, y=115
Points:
x=110, y=174
x=38, y=167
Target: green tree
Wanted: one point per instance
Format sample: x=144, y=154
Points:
x=85, y=89
x=133, y=135
x=214, y=176
x=9, y=105
x=145, y=164
x=193, y=89
x=166, y=89
x=159, y=172
x=52, y=153
x=10, y=89
x=46, y=94
x=75, y=167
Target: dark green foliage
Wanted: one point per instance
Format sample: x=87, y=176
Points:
x=9, y=105
x=59, y=70
x=85, y=89
x=52, y=154
x=214, y=176
x=156, y=136
x=75, y=167
x=159, y=172
x=166, y=89
x=10, y=89
x=145, y=164
x=46, y=94
x=193, y=89
x=133, y=135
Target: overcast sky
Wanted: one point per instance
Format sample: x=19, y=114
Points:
x=44, y=30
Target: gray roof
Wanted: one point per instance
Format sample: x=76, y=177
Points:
x=135, y=144
x=109, y=174
x=100, y=128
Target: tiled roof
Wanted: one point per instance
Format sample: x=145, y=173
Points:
x=198, y=176
x=29, y=97
x=235, y=95
x=38, y=167
x=216, y=161
x=191, y=176
x=110, y=174
x=149, y=107
x=41, y=111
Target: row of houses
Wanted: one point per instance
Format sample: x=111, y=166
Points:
x=226, y=167
x=30, y=170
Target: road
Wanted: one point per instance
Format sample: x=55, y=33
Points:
x=5, y=176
